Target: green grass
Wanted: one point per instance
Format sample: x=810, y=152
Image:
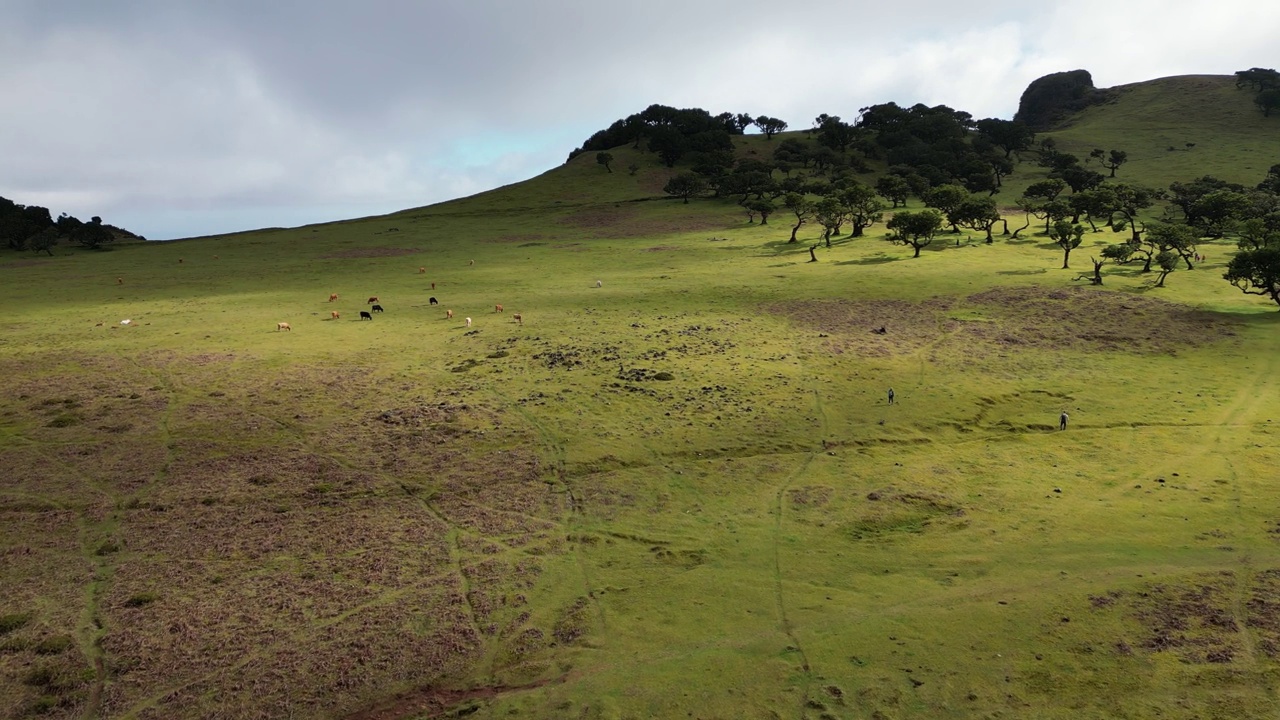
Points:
x=524, y=521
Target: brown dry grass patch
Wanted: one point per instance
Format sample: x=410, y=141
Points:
x=630, y=220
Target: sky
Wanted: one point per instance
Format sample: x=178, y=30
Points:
x=183, y=118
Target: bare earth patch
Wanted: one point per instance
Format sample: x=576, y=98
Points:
x=373, y=252
x=1080, y=319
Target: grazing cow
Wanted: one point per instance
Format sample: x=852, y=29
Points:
x=518, y=318
x=125, y=322
x=333, y=296
x=433, y=301
x=333, y=314
x=119, y=281
x=448, y=314
x=468, y=322
x=599, y=283
x=215, y=257
x=373, y=299
x=471, y=262
x=179, y=261
x=497, y=308
x=433, y=286
x=282, y=326
x=376, y=308
x=422, y=271
x=365, y=316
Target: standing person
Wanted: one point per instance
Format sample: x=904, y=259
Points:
x=1062, y=420
x=890, y=396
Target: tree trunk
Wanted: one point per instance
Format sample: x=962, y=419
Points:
x=1163, y=274
x=764, y=219
x=989, y=238
x=793, y=231
x=1066, y=256
x=917, y=247
x=812, y=257
x=1006, y=226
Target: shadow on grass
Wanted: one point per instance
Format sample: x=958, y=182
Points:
x=1041, y=271
x=873, y=260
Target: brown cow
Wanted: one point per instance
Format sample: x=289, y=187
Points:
x=333, y=296
x=215, y=257
x=373, y=299
x=497, y=308
x=433, y=286
x=282, y=326
x=179, y=261
x=422, y=271
x=448, y=314
x=518, y=318
x=119, y=281
x=471, y=262
x=333, y=315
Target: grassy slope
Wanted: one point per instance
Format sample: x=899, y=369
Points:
x=597, y=546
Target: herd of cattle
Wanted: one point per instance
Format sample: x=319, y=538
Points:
x=376, y=307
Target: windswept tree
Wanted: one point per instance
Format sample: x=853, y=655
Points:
x=836, y=134
x=1066, y=236
x=801, y=207
x=830, y=214
x=1131, y=200
x=1110, y=161
x=44, y=241
x=862, y=207
x=770, y=126
x=763, y=207
x=917, y=229
x=605, y=159
x=1256, y=272
x=977, y=213
x=1167, y=262
x=1175, y=238
x=685, y=185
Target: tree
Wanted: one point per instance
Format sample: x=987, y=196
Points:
x=836, y=134
x=764, y=207
x=1267, y=100
x=685, y=185
x=1271, y=183
x=743, y=121
x=668, y=143
x=1216, y=213
x=894, y=189
x=1066, y=236
x=1130, y=200
x=1254, y=233
x=1079, y=178
x=1256, y=272
x=604, y=158
x=977, y=213
x=44, y=241
x=1112, y=161
x=916, y=229
x=1009, y=135
x=770, y=126
x=92, y=234
x=801, y=207
x=1175, y=238
x=862, y=207
x=830, y=213
x=947, y=198
x=1167, y=262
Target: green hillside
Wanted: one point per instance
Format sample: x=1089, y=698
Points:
x=1178, y=129
x=673, y=488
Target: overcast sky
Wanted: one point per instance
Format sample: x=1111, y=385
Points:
x=176, y=118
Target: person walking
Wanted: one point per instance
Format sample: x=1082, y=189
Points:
x=890, y=396
x=1062, y=420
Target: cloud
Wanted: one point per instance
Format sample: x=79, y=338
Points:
x=184, y=118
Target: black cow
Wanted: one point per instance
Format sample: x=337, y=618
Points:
x=376, y=308
x=365, y=316
x=434, y=301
